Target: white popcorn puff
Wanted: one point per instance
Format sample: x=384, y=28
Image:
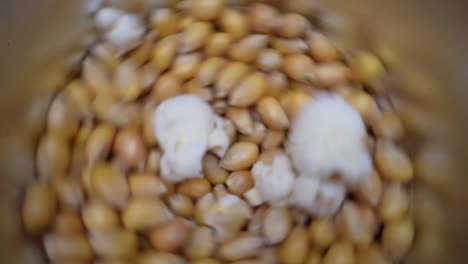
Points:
x=106, y=17
x=274, y=182
x=316, y=197
x=184, y=126
x=218, y=140
x=93, y=6
x=126, y=33
x=328, y=137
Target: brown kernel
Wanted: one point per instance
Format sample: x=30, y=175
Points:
x=388, y=126
x=340, y=252
x=322, y=232
x=68, y=222
x=171, y=187
x=107, y=57
x=98, y=216
x=371, y=254
x=397, y=238
x=365, y=105
x=294, y=249
x=366, y=67
x=299, y=67
x=209, y=70
x=193, y=87
x=109, y=184
x=62, y=117
x=353, y=225
x=257, y=135
x=130, y=148
x=167, y=86
x=212, y=171
x=186, y=65
x=181, y=205
x=78, y=159
x=273, y=139
x=267, y=156
x=321, y=49
x=206, y=9
x=293, y=101
x=297, y=86
x=194, y=188
x=184, y=22
x=149, y=135
x=118, y=113
x=59, y=247
x=277, y=83
x=69, y=192
x=96, y=76
x=394, y=203
x=126, y=80
x=292, y=25
x=269, y=60
x=218, y=44
x=39, y=208
x=229, y=77
x=370, y=190
x=195, y=35
x=331, y=74
x=314, y=257
x=272, y=113
x=248, y=91
x=53, y=156
x=241, y=155
x=171, y=236
x=164, y=52
x=289, y=46
x=247, y=49
x=79, y=97
x=86, y=177
x=159, y=257
x=201, y=244
x=152, y=162
x=146, y=184
x=99, y=143
x=263, y=18
x=392, y=162
x=235, y=23
x=241, y=118
x=164, y=21
x=244, y=246
x=114, y=244
x=145, y=212
x=148, y=74
x=230, y=130
x=239, y=182
x=277, y=224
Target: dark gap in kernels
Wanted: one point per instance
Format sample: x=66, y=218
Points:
x=378, y=233
x=144, y=244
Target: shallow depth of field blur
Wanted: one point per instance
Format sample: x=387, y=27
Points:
x=418, y=89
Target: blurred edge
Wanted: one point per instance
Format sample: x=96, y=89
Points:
x=424, y=44
x=39, y=40
x=422, y=41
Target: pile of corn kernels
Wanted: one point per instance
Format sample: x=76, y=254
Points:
x=99, y=196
